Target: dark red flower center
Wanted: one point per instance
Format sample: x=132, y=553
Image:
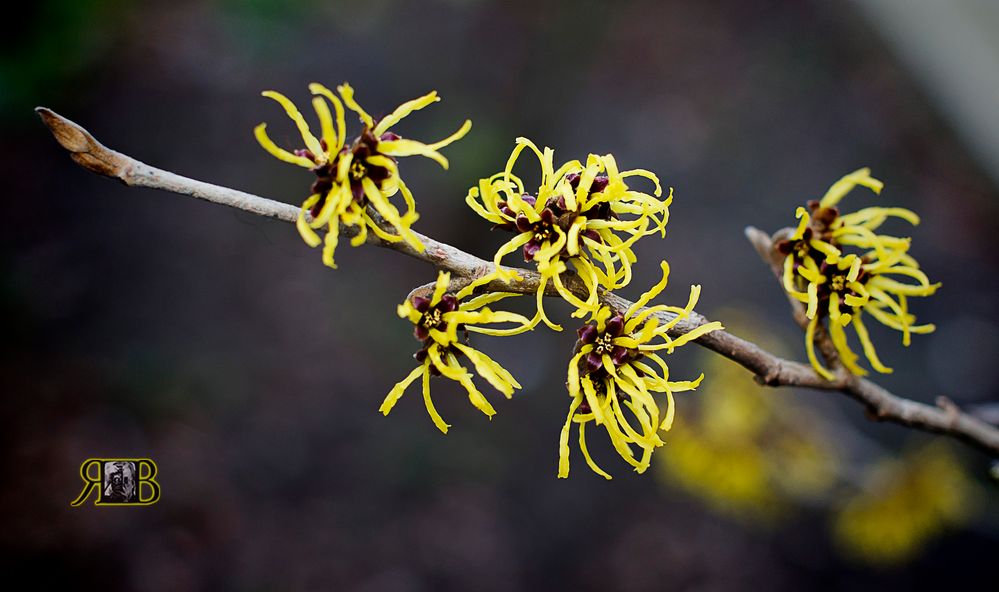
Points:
x=363, y=146
x=555, y=214
x=837, y=283
x=432, y=317
x=603, y=345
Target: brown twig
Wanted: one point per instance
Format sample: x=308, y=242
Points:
x=768, y=369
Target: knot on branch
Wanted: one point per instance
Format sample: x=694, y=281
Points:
x=951, y=409
x=772, y=378
x=875, y=413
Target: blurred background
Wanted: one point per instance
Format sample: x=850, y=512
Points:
x=138, y=323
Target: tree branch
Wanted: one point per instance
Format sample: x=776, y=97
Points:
x=768, y=369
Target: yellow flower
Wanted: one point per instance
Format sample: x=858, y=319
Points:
x=437, y=323
x=611, y=381
x=583, y=216
x=352, y=176
x=818, y=232
x=905, y=503
x=843, y=286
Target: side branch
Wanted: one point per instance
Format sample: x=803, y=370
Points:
x=768, y=369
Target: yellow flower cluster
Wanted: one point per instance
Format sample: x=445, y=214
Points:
x=905, y=503
x=843, y=286
x=352, y=176
x=587, y=217
x=615, y=372
x=584, y=216
x=442, y=323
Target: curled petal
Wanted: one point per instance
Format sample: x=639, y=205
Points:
x=403, y=110
x=462, y=131
x=840, y=188
x=810, y=350
x=260, y=132
x=393, y=397
x=347, y=92
x=412, y=148
x=429, y=404
x=563, y=439
x=303, y=128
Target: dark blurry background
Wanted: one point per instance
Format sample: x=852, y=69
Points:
x=138, y=323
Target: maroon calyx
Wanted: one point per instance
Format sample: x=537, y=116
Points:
x=822, y=217
x=800, y=248
x=603, y=345
x=364, y=146
x=598, y=184
x=555, y=214
x=432, y=317
x=819, y=226
x=836, y=283
x=325, y=177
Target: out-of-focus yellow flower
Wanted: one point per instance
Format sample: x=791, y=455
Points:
x=584, y=216
x=615, y=371
x=745, y=450
x=352, y=176
x=843, y=286
x=905, y=503
x=442, y=324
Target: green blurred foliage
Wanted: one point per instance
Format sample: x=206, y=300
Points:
x=53, y=44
